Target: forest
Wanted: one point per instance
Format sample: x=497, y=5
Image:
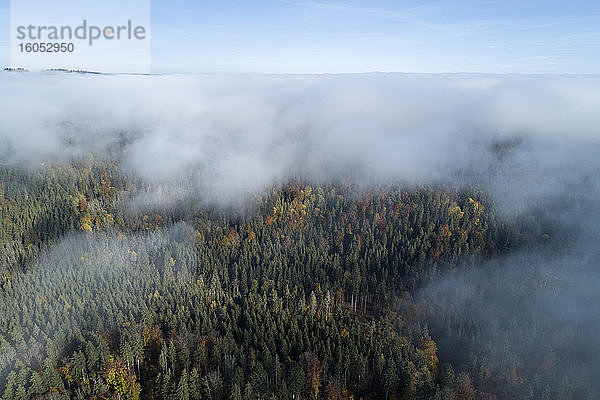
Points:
x=305, y=291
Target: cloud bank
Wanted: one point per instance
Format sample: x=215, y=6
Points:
x=244, y=132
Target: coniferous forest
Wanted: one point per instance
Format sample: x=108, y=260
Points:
x=305, y=291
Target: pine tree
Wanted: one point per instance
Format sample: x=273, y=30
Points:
x=195, y=385
x=183, y=389
x=236, y=393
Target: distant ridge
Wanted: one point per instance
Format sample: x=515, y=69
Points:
x=79, y=71
x=19, y=69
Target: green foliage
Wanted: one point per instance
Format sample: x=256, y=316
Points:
x=307, y=295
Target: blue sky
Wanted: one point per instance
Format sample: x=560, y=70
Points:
x=278, y=36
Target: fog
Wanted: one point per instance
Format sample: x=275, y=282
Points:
x=75, y=270
x=533, y=316
x=241, y=133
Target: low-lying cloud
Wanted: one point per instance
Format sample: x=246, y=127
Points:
x=243, y=132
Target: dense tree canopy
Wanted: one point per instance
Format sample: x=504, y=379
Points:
x=307, y=292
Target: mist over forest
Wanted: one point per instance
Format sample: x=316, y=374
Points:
x=406, y=236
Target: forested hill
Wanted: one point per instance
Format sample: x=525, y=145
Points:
x=306, y=292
